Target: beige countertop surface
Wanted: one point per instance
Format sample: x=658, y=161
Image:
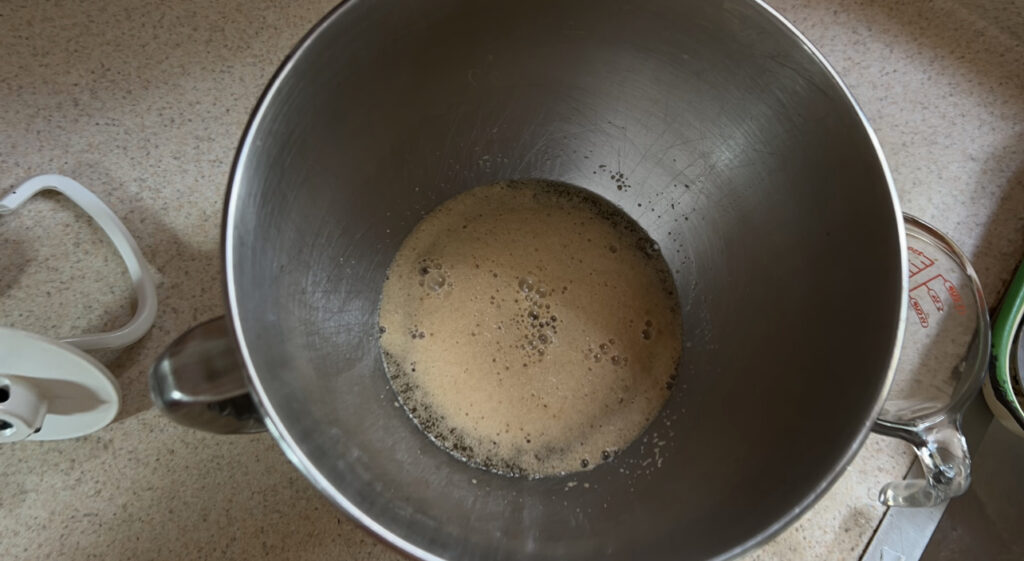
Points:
x=143, y=102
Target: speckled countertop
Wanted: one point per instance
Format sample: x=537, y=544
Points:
x=143, y=102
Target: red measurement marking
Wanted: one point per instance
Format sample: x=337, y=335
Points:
x=935, y=297
x=925, y=283
x=921, y=316
x=954, y=294
x=918, y=261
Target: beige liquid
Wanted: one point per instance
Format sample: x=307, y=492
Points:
x=530, y=328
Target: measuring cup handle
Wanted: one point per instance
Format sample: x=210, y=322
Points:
x=942, y=451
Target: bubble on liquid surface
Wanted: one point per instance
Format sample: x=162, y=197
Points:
x=435, y=281
x=648, y=247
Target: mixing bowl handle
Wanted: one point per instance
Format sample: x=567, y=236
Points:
x=199, y=381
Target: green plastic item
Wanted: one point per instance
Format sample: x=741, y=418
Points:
x=1006, y=385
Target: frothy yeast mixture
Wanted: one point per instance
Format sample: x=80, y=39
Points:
x=530, y=328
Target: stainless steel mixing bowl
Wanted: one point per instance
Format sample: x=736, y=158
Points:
x=714, y=124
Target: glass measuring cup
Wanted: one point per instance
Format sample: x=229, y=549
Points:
x=942, y=364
